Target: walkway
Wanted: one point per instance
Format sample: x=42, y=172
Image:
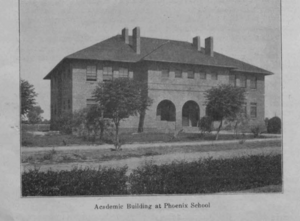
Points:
x=141, y=145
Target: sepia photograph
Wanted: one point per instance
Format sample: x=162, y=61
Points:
x=150, y=98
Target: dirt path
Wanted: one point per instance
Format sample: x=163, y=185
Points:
x=133, y=163
x=142, y=145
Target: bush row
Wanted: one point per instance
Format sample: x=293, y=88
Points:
x=179, y=177
x=103, y=181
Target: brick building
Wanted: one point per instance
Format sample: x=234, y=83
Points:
x=177, y=74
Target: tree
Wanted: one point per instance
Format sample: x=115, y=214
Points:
x=27, y=97
x=145, y=102
x=224, y=101
x=120, y=99
x=274, y=125
x=34, y=115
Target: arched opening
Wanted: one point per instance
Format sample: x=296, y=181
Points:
x=166, y=111
x=190, y=114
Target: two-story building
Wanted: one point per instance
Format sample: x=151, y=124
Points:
x=177, y=74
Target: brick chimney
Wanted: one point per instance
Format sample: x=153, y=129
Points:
x=125, y=35
x=197, y=43
x=209, y=46
x=136, y=40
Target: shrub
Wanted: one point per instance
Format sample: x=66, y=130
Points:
x=104, y=181
x=63, y=123
x=274, y=125
x=206, y=176
x=257, y=127
x=205, y=124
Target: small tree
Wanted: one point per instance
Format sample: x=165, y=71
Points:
x=205, y=124
x=27, y=97
x=120, y=99
x=224, y=101
x=34, y=115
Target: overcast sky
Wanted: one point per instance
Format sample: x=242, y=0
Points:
x=247, y=30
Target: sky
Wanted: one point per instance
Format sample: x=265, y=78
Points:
x=247, y=30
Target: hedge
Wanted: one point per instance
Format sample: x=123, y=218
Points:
x=207, y=176
x=104, y=181
x=179, y=177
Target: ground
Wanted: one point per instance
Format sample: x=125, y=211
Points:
x=188, y=148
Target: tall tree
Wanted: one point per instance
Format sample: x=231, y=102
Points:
x=34, y=115
x=224, y=101
x=145, y=102
x=27, y=97
x=119, y=99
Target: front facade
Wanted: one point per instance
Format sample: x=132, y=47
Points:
x=177, y=74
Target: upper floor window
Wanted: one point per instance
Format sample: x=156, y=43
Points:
x=232, y=80
x=191, y=74
x=178, y=74
x=243, y=81
x=202, y=75
x=214, y=76
x=165, y=73
x=253, y=110
x=253, y=83
x=91, y=73
x=123, y=73
x=107, y=73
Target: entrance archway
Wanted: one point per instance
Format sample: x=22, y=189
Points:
x=190, y=114
x=166, y=111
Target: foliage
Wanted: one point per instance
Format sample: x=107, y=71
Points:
x=145, y=103
x=224, y=101
x=257, y=127
x=27, y=97
x=206, y=176
x=64, y=122
x=240, y=123
x=104, y=181
x=34, y=115
x=274, y=125
x=205, y=124
x=179, y=177
x=120, y=99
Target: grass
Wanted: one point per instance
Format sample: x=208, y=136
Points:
x=31, y=140
x=106, y=155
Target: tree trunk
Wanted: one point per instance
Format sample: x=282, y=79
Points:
x=141, y=122
x=117, y=137
x=219, y=129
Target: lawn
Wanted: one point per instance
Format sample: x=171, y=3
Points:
x=32, y=140
x=54, y=156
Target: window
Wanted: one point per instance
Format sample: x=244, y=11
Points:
x=91, y=73
x=90, y=102
x=244, y=109
x=165, y=73
x=123, y=73
x=253, y=110
x=69, y=104
x=214, y=76
x=107, y=73
x=202, y=75
x=191, y=74
x=243, y=81
x=232, y=80
x=178, y=74
x=253, y=83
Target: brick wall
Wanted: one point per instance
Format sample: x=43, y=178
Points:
x=177, y=90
